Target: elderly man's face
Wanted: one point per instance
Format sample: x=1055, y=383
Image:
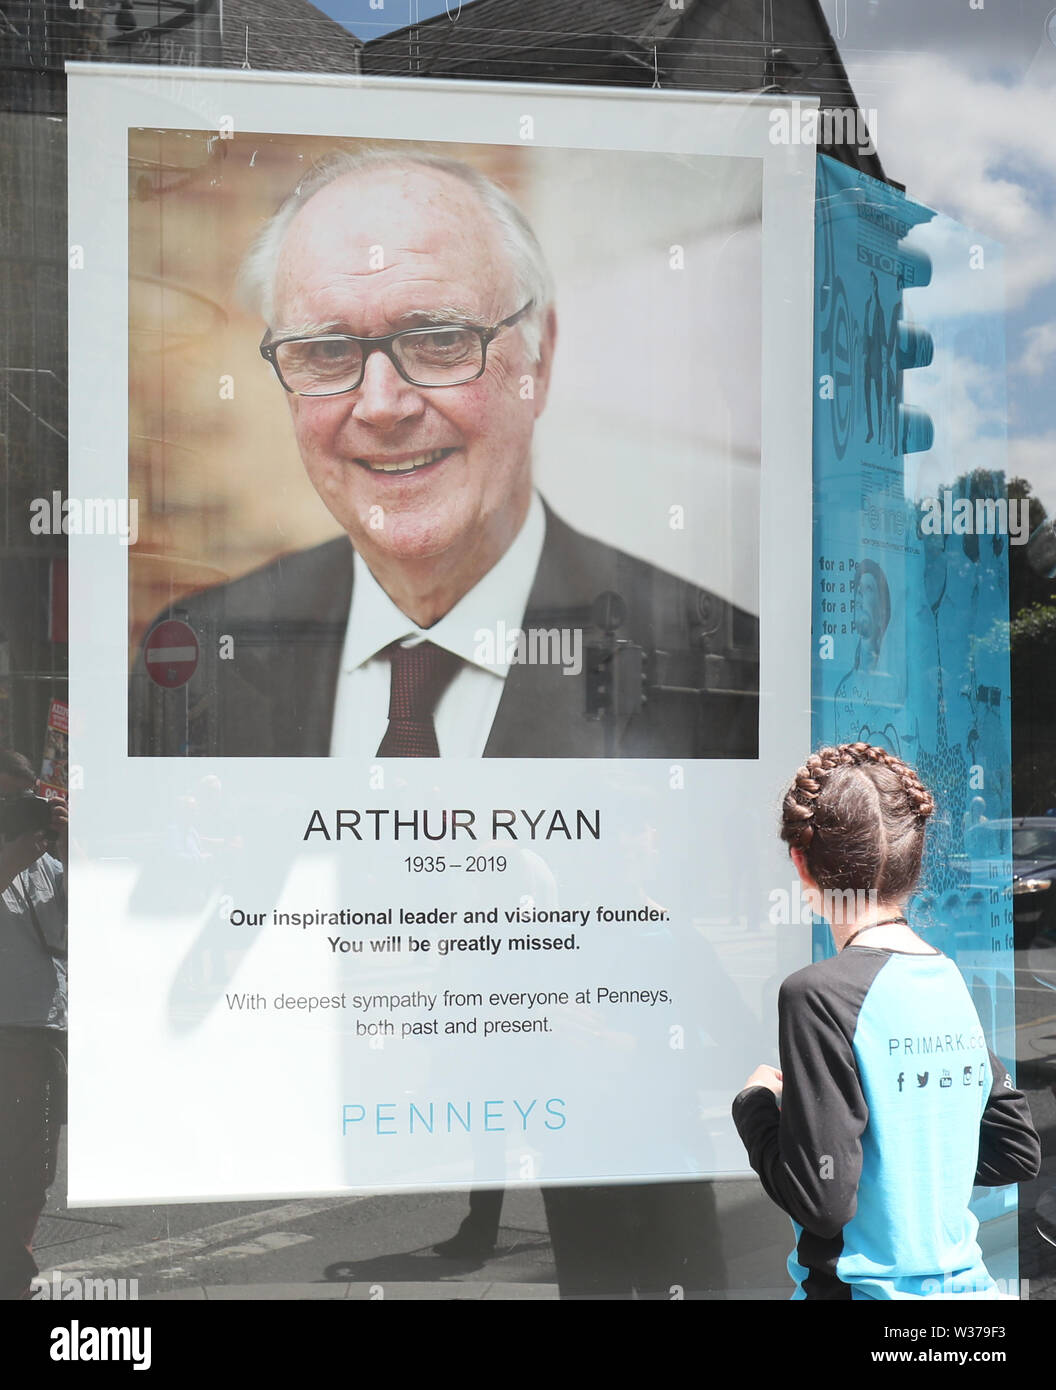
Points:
x=374, y=253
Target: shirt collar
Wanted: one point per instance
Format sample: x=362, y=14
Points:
x=476, y=629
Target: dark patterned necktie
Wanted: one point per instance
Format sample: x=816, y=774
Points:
x=420, y=675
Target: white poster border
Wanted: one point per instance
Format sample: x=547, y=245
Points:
x=105, y=102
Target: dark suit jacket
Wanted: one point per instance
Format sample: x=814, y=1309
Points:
x=273, y=695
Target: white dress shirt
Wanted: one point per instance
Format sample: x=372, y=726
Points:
x=466, y=710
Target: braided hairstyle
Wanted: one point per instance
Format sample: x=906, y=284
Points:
x=858, y=813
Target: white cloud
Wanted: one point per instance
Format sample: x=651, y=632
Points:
x=959, y=286
x=1040, y=348
x=966, y=404
x=977, y=149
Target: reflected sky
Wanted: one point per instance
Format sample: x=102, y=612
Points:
x=965, y=100
x=370, y=21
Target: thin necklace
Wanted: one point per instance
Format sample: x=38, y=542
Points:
x=886, y=922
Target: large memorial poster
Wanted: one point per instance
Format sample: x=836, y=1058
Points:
x=438, y=681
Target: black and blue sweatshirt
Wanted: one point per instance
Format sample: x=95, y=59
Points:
x=892, y=1108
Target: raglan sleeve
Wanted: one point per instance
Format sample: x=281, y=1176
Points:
x=807, y=1151
x=1009, y=1146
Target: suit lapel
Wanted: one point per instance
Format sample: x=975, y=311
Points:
x=542, y=712
x=313, y=602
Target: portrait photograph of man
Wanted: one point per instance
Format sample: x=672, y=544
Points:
x=442, y=450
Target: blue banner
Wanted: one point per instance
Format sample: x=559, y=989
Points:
x=911, y=534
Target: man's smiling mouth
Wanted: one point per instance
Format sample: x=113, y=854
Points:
x=405, y=465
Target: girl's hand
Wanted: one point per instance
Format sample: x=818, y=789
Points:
x=766, y=1076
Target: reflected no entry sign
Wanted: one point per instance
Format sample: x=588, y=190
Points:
x=171, y=653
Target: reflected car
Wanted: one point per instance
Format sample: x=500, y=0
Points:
x=1033, y=870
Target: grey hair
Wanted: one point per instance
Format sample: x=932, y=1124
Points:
x=531, y=275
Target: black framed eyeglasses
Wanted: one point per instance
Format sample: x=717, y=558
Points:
x=329, y=364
